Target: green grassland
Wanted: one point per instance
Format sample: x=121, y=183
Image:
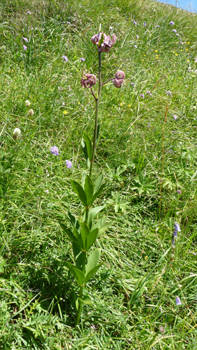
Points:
x=145, y=155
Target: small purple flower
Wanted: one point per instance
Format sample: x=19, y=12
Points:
x=175, y=234
x=171, y=23
x=178, y=301
x=55, y=151
x=157, y=26
x=135, y=46
x=174, y=30
x=134, y=22
x=26, y=40
x=142, y=95
x=179, y=191
x=24, y=47
x=137, y=36
x=69, y=164
x=68, y=22
x=65, y=58
x=175, y=116
x=168, y=93
x=180, y=42
x=28, y=13
x=148, y=125
x=177, y=227
x=177, y=34
x=144, y=24
x=149, y=93
x=132, y=84
x=82, y=59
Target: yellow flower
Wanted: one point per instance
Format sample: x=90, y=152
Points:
x=65, y=112
x=79, y=102
x=176, y=54
x=188, y=42
x=157, y=57
x=129, y=106
x=156, y=50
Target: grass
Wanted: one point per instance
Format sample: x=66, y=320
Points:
x=144, y=154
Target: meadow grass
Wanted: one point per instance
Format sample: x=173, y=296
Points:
x=148, y=159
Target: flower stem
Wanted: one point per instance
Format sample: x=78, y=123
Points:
x=80, y=306
x=96, y=116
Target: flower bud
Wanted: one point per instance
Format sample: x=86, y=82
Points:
x=16, y=133
x=118, y=82
x=120, y=75
x=119, y=79
x=88, y=80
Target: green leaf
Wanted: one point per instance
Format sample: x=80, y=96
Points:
x=83, y=144
x=78, y=274
x=69, y=233
x=91, y=238
x=102, y=225
x=98, y=183
x=79, y=191
x=97, y=194
x=89, y=189
x=92, y=272
x=88, y=146
x=73, y=221
x=92, y=213
x=93, y=260
x=84, y=233
x=86, y=300
x=79, y=256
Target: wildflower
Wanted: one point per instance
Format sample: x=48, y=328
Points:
x=47, y=191
x=68, y=22
x=24, y=47
x=65, y=112
x=172, y=23
x=103, y=41
x=132, y=84
x=135, y=46
x=177, y=34
x=65, y=58
x=178, y=301
x=119, y=79
x=175, y=116
x=82, y=59
x=27, y=103
x=55, y=151
x=28, y=13
x=149, y=93
x=177, y=227
x=144, y=24
x=168, y=93
x=137, y=36
x=180, y=42
x=31, y=112
x=148, y=125
x=157, y=26
x=26, y=40
x=134, y=22
x=88, y=80
x=195, y=60
x=179, y=191
x=16, y=133
x=69, y=164
x=142, y=95
x=174, y=30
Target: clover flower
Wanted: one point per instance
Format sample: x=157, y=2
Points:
x=31, y=112
x=103, y=42
x=16, y=133
x=69, y=164
x=65, y=58
x=119, y=79
x=55, y=151
x=171, y=23
x=88, y=80
x=178, y=301
x=27, y=103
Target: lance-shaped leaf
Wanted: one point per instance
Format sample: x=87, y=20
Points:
x=88, y=146
x=78, y=274
x=79, y=256
x=97, y=194
x=85, y=301
x=84, y=233
x=91, y=266
x=83, y=144
x=91, y=238
x=89, y=189
x=102, y=225
x=69, y=233
x=73, y=221
x=98, y=183
x=79, y=191
x=92, y=213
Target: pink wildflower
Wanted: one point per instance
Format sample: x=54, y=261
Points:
x=119, y=79
x=103, y=41
x=88, y=80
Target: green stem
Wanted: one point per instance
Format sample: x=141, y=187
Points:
x=80, y=306
x=96, y=116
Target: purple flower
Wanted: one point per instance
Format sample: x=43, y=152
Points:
x=174, y=30
x=144, y=24
x=82, y=59
x=88, y=81
x=132, y=84
x=134, y=22
x=119, y=79
x=175, y=116
x=142, y=95
x=149, y=125
x=149, y=93
x=179, y=191
x=172, y=23
x=28, y=13
x=55, y=151
x=135, y=46
x=137, y=36
x=177, y=227
x=175, y=234
x=168, y=93
x=69, y=164
x=24, y=47
x=103, y=41
x=157, y=26
x=26, y=40
x=177, y=34
x=180, y=42
x=65, y=58
x=178, y=301
x=68, y=22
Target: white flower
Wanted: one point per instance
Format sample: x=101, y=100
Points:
x=16, y=133
x=27, y=103
x=31, y=112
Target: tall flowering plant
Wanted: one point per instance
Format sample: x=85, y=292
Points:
x=84, y=234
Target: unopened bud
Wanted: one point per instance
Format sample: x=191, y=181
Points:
x=16, y=133
x=88, y=80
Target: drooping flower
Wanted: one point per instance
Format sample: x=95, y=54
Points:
x=168, y=93
x=69, y=164
x=28, y=12
x=26, y=40
x=178, y=301
x=177, y=227
x=88, y=80
x=175, y=116
x=171, y=23
x=142, y=95
x=65, y=58
x=119, y=79
x=55, y=151
x=16, y=133
x=149, y=93
x=27, y=103
x=82, y=59
x=174, y=30
x=24, y=47
x=103, y=41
